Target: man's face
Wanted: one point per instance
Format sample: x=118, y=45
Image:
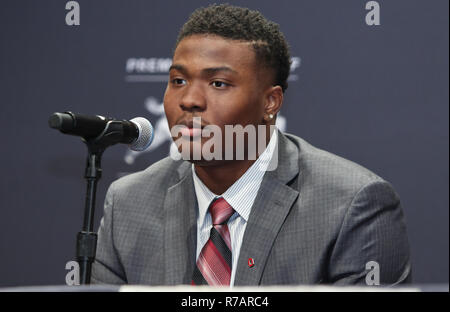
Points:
x=218, y=80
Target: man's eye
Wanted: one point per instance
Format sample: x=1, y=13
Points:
x=220, y=84
x=178, y=81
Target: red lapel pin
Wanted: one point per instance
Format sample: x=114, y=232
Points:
x=251, y=262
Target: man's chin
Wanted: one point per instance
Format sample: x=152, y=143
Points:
x=209, y=163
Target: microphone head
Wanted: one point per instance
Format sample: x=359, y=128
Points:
x=61, y=121
x=146, y=134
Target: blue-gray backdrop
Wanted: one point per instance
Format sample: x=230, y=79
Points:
x=377, y=95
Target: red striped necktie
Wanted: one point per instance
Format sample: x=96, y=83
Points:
x=214, y=262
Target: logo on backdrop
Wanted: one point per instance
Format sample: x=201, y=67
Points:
x=156, y=70
x=161, y=127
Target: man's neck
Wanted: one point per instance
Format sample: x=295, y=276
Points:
x=219, y=178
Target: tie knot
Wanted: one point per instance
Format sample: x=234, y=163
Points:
x=220, y=211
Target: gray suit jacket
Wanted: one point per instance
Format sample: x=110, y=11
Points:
x=317, y=218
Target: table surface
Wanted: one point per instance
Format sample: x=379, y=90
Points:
x=187, y=288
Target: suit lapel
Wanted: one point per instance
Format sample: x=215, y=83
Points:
x=271, y=207
x=180, y=230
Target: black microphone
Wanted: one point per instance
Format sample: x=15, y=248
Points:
x=137, y=132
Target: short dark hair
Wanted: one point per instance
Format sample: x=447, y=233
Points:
x=243, y=24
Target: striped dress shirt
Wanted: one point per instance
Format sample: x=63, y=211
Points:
x=240, y=196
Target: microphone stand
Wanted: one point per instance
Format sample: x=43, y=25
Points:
x=87, y=238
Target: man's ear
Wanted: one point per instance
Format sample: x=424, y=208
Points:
x=274, y=101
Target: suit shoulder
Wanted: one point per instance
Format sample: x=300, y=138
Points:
x=158, y=175
x=324, y=168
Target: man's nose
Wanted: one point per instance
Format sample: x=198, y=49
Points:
x=193, y=98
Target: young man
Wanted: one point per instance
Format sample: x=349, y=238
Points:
x=303, y=217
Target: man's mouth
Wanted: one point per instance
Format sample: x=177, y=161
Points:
x=191, y=128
